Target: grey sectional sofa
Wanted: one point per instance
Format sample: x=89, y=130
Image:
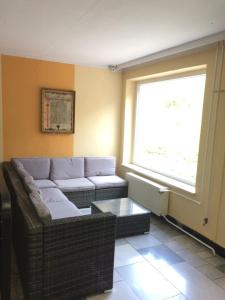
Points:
x=61, y=253
x=81, y=179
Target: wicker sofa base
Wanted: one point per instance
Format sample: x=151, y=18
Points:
x=81, y=199
x=64, y=259
x=78, y=257
x=111, y=193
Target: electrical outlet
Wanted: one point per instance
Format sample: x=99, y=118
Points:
x=205, y=221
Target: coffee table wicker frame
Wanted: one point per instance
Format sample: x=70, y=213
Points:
x=128, y=225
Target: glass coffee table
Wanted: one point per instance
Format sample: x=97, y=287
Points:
x=132, y=218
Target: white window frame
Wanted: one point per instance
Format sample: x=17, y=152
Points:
x=156, y=78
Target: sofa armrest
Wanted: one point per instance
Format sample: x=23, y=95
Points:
x=78, y=255
x=5, y=242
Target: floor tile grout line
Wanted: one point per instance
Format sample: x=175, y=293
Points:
x=178, y=263
x=163, y=275
x=144, y=260
x=155, y=267
x=179, y=292
x=159, y=272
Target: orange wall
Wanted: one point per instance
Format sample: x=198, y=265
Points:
x=22, y=80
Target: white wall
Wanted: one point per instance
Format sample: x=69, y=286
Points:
x=209, y=199
x=1, y=113
x=97, y=112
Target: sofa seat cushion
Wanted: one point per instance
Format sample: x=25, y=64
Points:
x=67, y=168
x=58, y=204
x=37, y=167
x=76, y=184
x=44, y=183
x=99, y=166
x=103, y=182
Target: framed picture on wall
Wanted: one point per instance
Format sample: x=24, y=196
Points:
x=58, y=110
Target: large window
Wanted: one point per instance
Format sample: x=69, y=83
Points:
x=168, y=125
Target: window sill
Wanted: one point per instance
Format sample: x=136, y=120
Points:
x=161, y=178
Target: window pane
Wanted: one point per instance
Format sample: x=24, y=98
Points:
x=168, y=123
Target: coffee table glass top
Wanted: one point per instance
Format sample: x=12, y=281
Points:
x=120, y=207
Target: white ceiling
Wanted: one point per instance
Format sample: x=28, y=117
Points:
x=104, y=32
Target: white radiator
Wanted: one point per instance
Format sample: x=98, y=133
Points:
x=151, y=195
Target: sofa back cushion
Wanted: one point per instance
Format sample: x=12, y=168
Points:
x=20, y=169
x=99, y=166
x=16, y=163
x=67, y=168
x=39, y=206
x=30, y=185
x=37, y=167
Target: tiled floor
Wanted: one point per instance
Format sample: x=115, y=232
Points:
x=164, y=264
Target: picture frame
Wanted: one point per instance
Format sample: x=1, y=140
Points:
x=58, y=111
